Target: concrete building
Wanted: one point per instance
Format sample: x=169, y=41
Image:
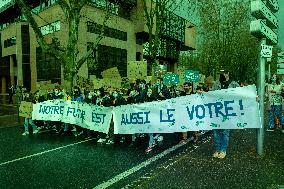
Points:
x=22, y=61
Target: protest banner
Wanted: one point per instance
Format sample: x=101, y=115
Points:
x=234, y=108
x=88, y=116
x=191, y=76
x=137, y=69
x=26, y=109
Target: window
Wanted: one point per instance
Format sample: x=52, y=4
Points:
x=120, y=9
x=48, y=67
x=107, y=57
x=50, y=28
x=10, y=42
x=174, y=27
x=93, y=27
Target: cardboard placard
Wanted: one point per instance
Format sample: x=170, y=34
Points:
x=111, y=73
x=112, y=83
x=98, y=83
x=26, y=109
x=82, y=82
x=137, y=69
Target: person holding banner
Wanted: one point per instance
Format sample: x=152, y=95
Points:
x=153, y=138
x=275, y=102
x=161, y=92
x=221, y=136
x=187, y=90
x=28, y=120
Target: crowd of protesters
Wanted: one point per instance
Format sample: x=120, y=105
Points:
x=138, y=92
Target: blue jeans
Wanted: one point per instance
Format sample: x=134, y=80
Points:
x=277, y=110
x=221, y=139
x=27, y=122
x=66, y=127
x=152, y=139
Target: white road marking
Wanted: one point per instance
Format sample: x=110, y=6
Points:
x=138, y=167
x=44, y=152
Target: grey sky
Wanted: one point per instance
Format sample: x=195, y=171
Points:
x=187, y=14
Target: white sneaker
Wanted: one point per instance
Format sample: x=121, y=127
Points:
x=160, y=138
x=269, y=130
x=101, y=140
x=110, y=141
x=78, y=134
x=35, y=131
x=25, y=133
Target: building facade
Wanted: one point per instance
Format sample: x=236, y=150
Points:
x=22, y=61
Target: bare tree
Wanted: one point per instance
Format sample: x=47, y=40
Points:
x=155, y=16
x=68, y=54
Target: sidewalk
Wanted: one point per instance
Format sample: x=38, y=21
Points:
x=8, y=112
x=242, y=168
x=10, y=120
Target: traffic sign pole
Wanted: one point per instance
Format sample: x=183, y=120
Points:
x=261, y=86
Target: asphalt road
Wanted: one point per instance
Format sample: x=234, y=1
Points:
x=49, y=160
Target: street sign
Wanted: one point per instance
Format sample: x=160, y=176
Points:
x=280, y=59
x=280, y=66
x=280, y=71
x=266, y=51
x=259, y=10
x=281, y=54
x=273, y=5
x=259, y=29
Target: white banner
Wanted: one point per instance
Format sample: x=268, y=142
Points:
x=234, y=108
x=88, y=116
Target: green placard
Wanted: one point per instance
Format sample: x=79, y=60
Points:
x=191, y=76
x=171, y=79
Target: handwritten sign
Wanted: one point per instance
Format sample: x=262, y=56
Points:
x=85, y=115
x=171, y=79
x=233, y=108
x=266, y=51
x=191, y=76
x=137, y=69
x=223, y=109
x=111, y=73
x=26, y=109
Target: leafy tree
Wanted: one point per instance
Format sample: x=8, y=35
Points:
x=226, y=42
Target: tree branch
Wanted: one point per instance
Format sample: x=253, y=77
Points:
x=40, y=38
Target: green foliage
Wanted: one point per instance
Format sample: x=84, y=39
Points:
x=226, y=42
